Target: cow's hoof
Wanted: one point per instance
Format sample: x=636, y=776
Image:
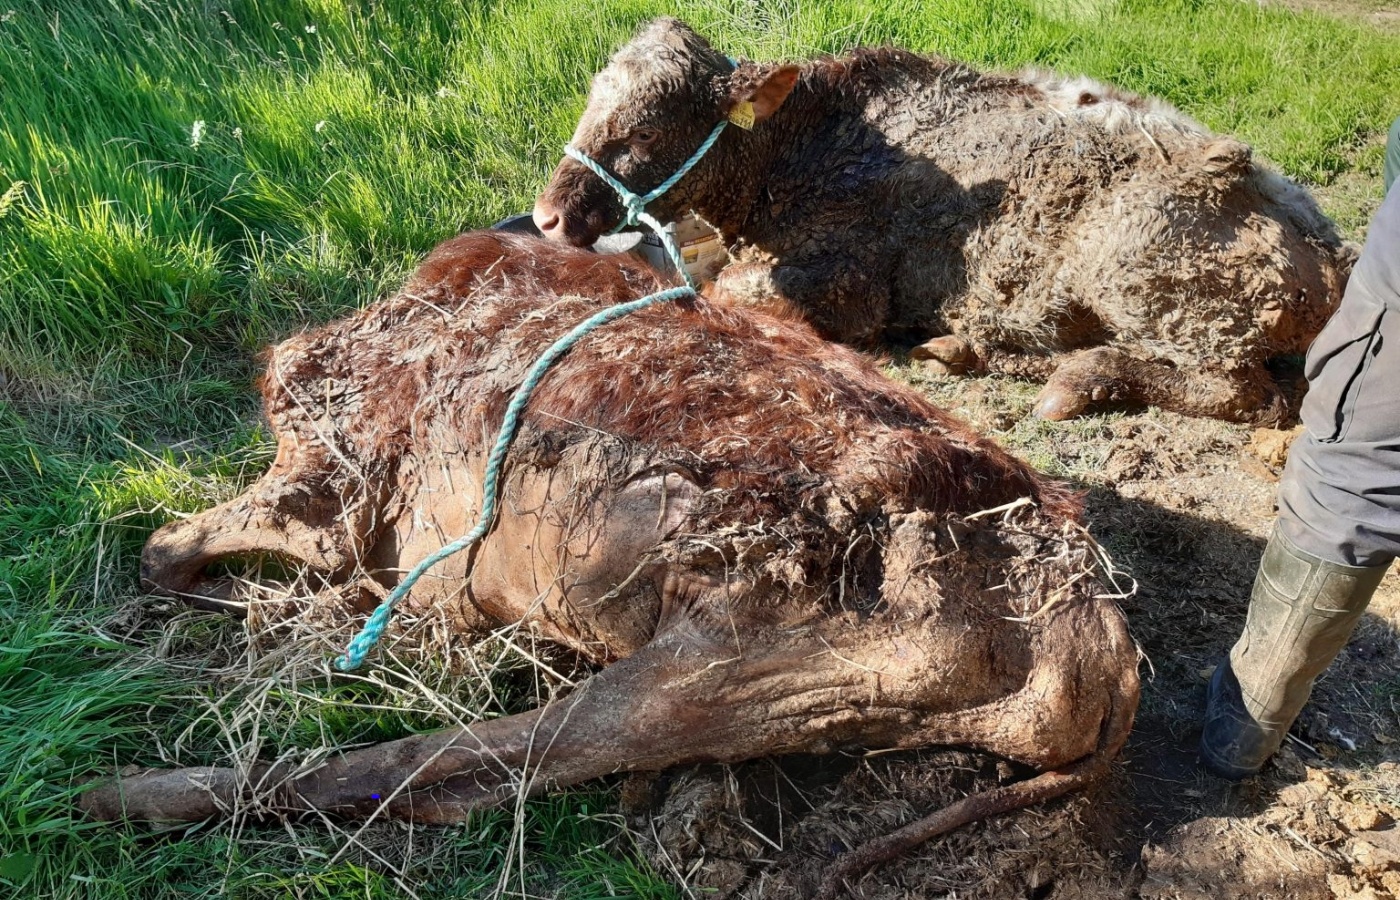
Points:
x=1058, y=403
x=946, y=355
x=938, y=367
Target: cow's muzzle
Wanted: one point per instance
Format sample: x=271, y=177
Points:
x=196, y=559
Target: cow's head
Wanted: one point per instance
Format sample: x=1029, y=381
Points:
x=648, y=111
x=315, y=510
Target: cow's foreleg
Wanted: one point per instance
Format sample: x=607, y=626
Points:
x=946, y=355
x=1106, y=377
x=751, y=286
x=952, y=354
x=839, y=296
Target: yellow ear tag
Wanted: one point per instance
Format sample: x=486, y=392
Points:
x=742, y=115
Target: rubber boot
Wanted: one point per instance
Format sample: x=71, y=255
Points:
x=1301, y=613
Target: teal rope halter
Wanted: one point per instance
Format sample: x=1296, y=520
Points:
x=635, y=204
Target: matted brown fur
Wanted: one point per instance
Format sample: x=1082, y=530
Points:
x=768, y=546
x=1050, y=227
x=750, y=397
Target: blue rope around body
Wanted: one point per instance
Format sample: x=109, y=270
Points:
x=374, y=628
x=635, y=204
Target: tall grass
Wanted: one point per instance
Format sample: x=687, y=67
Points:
x=181, y=183
x=215, y=176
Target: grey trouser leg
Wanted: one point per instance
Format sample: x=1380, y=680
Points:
x=1339, y=498
x=1339, y=518
x=1338, y=529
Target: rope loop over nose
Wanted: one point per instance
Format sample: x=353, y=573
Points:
x=635, y=204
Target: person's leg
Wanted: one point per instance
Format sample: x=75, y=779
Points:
x=1338, y=527
x=1301, y=613
x=1339, y=498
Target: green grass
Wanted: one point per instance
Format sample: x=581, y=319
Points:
x=180, y=185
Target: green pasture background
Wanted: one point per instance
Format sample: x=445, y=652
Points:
x=183, y=182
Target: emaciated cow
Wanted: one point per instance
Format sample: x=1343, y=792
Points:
x=766, y=546
x=1054, y=228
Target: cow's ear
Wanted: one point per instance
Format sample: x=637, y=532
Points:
x=757, y=92
x=772, y=91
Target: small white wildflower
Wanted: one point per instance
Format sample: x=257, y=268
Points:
x=9, y=14
x=311, y=29
x=196, y=133
x=445, y=91
x=238, y=134
x=320, y=125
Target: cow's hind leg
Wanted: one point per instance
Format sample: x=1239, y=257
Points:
x=999, y=801
x=1105, y=377
x=705, y=689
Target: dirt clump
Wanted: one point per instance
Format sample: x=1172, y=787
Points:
x=1269, y=448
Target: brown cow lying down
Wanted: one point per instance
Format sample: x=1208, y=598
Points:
x=766, y=546
x=1053, y=228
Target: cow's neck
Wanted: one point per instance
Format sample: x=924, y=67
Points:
x=740, y=170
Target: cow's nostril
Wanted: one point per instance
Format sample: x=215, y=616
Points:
x=546, y=220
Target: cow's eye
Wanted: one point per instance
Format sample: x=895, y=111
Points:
x=643, y=137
